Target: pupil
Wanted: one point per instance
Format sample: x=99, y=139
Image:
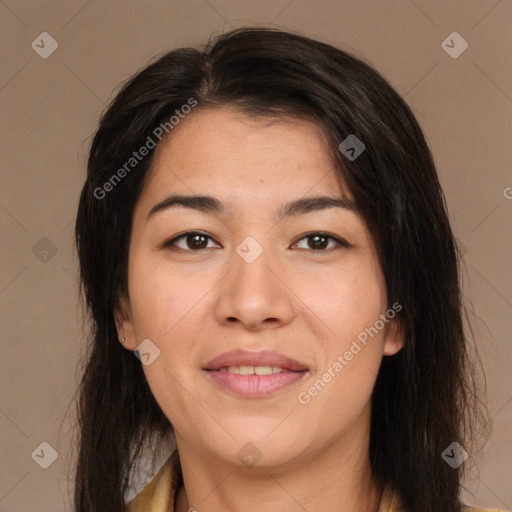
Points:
x=195, y=238
x=316, y=238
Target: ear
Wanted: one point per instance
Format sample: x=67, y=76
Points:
x=394, y=338
x=123, y=318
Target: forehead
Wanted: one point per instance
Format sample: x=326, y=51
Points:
x=224, y=152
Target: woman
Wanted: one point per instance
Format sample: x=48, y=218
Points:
x=262, y=226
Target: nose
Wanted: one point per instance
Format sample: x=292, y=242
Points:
x=255, y=294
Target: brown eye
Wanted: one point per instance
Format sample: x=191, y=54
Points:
x=196, y=241
x=193, y=240
x=320, y=241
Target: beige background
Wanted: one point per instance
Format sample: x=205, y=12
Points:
x=50, y=107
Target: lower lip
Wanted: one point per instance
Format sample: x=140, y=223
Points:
x=254, y=386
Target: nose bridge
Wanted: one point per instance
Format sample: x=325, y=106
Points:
x=252, y=263
x=252, y=291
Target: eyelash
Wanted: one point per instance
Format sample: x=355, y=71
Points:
x=169, y=243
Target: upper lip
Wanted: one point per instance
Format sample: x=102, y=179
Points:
x=246, y=358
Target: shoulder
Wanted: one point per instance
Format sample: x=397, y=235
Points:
x=391, y=502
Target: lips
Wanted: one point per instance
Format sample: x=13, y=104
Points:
x=254, y=375
x=246, y=358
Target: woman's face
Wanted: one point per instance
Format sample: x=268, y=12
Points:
x=253, y=280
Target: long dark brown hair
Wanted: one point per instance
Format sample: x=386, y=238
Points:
x=425, y=396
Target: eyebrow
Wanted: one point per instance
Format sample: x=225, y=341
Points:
x=213, y=206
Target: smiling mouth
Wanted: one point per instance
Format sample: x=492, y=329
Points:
x=252, y=382
x=255, y=370
x=251, y=374
x=245, y=362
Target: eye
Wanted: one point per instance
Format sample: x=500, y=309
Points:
x=197, y=240
x=193, y=240
x=320, y=241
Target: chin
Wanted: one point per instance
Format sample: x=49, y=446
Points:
x=256, y=448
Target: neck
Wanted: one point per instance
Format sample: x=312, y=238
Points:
x=335, y=479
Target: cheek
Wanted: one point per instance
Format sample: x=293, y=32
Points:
x=163, y=297
x=165, y=305
x=351, y=307
x=352, y=301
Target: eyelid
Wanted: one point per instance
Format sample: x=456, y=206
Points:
x=338, y=240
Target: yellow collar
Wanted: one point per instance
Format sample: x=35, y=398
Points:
x=159, y=494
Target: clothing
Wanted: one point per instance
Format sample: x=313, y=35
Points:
x=160, y=492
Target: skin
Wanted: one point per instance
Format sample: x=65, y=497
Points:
x=195, y=304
